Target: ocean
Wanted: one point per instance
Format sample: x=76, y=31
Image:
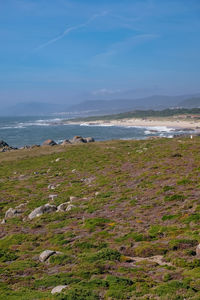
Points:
x=21, y=131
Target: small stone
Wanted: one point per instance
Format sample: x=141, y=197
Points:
x=57, y=160
x=74, y=170
x=52, y=197
x=3, y=221
x=63, y=206
x=51, y=187
x=45, y=255
x=72, y=198
x=13, y=212
x=69, y=207
x=58, y=289
x=97, y=193
x=198, y=251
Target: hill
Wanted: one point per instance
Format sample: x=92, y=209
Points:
x=129, y=229
x=156, y=102
x=190, y=103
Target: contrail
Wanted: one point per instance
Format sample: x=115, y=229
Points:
x=70, y=29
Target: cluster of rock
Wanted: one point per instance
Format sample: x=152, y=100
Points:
x=76, y=140
x=39, y=211
x=4, y=147
x=48, y=208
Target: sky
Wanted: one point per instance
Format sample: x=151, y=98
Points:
x=68, y=51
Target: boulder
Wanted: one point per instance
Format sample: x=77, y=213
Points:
x=65, y=142
x=63, y=206
x=13, y=212
x=49, y=143
x=89, y=140
x=198, y=251
x=3, y=144
x=37, y=212
x=45, y=255
x=78, y=140
x=58, y=289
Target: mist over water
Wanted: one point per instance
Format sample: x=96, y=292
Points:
x=21, y=131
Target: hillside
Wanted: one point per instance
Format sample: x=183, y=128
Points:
x=129, y=231
x=189, y=103
x=179, y=112
x=111, y=106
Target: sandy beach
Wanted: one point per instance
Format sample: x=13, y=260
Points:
x=133, y=122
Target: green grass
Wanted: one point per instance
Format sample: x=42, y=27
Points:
x=148, y=204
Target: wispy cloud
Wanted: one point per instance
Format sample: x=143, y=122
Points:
x=103, y=59
x=70, y=29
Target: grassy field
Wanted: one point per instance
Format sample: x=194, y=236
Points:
x=131, y=235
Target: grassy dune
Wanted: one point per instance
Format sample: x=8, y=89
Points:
x=131, y=235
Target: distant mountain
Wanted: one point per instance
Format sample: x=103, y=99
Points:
x=32, y=109
x=122, y=105
x=190, y=103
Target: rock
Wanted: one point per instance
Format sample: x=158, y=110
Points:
x=57, y=160
x=72, y=198
x=97, y=193
x=3, y=221
x=3, y=144
x=198, y=251
x=78, y=140
x=37, y=212
x=45, y=255
x=69, y=207
x=58, y=289
x=63, y=206
x=65, y=142
x=13, y=212
x=51, y=187
x=74, y=171
x=89, y=140
x=49, y=143
x=52, y=197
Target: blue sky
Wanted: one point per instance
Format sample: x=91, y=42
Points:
x=70, y=50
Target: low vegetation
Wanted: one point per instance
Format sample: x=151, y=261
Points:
x=131, y=233
x=179, y=113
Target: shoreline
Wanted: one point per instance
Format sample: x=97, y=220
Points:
x=133, y=122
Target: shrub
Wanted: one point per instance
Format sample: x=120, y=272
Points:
x=105, y=254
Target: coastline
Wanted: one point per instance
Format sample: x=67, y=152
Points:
x=138, y=122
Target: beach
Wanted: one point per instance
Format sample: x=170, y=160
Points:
x=150, y=122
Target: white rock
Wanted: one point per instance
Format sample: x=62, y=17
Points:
x=72, y=198
x=13, y=212
x=58, y=289
x=69, y=207
x=198, y=251
x=51, y=187
x=37, y=212
x=52, y=197
x=3, y=221
x=57, y=159
x=45, y=255
x=63, y=206
x=97, y=193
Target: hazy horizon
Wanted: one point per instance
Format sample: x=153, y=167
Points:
x=69, y=51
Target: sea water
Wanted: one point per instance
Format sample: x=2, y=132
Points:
x=21, y=131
